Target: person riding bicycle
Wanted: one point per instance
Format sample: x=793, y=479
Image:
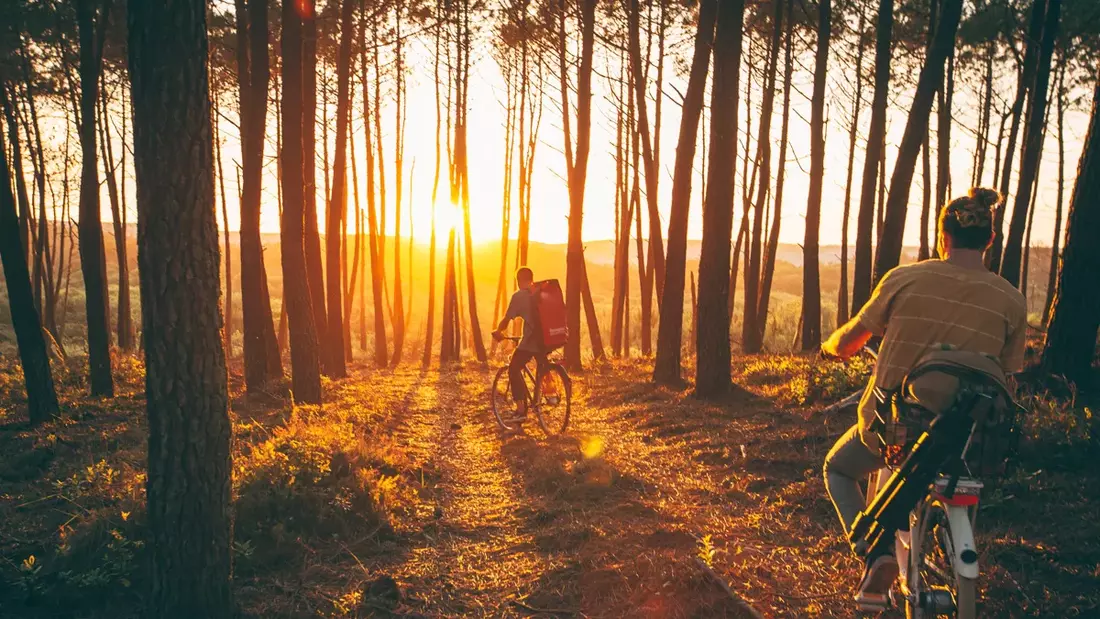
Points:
x=523, y=305
x=954, y=301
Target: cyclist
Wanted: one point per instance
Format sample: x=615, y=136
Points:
x=522, y=305
x=955, y=301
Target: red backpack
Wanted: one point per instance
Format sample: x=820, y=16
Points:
x=550, y=307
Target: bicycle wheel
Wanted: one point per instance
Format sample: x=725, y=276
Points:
x=553, y=399
x=935, y=589
x=500, y=397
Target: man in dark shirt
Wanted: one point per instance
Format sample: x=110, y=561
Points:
x=522, y=305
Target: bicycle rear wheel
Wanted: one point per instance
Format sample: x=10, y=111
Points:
x=935, y=589
x=501, y=399
x=553, y=399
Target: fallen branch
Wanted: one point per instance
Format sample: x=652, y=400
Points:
x=737, y=599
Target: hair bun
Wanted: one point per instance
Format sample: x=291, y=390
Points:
x=985, y=196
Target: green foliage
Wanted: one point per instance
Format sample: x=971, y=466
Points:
x=826, y=382
x=1058, y=424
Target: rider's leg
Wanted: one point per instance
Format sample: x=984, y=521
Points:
x=848, y=462
x=515, y=379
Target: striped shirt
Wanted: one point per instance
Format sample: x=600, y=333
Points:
x=919, y=307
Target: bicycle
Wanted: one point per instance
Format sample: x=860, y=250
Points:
x=549, y=395
x=937, y=557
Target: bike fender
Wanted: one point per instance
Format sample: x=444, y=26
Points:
x=966, y=553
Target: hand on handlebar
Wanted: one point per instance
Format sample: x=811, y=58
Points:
x=498, y=336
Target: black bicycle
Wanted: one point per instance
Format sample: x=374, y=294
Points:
x=549, y=396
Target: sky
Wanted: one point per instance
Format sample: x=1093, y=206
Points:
x=550, y=202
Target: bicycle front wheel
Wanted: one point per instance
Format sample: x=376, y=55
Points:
x=935, y=589
x=553, y=399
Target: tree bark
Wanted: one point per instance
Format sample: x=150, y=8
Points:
x=853, y=132
x=752, y=325
x=666, y=368
x=811, y=276
x=262, y=361
x=1071, y=339
x=41, y=396
x=1052, y=276
x=304, y=348
x=89, y=228
x=575, y=271
x=916, y=127
x=713, y=344
x=314, y=266
x=381, y=357
x=124, y=322
x=189, y=481
x=1033, y=145
x=338, y=201
x=865, y=218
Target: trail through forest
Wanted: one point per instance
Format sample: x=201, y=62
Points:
x=419, y=506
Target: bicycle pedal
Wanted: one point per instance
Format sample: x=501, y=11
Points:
x=872, y=603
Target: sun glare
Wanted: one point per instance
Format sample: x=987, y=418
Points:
x=447, y=217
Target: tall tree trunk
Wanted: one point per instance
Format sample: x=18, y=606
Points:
x=575, y=271
x=189, y=480
x=23, y=222
x=1052, y=277
x=398, y=314
x=227, y=329
x=338, y=201
x=925, y=250
x=314, y=265
x=123, y=322
x=982, y=145
x=713, y=364
x=262, y=361
x=1033, y=146
x=90, y=230
x=1023, y=86
x=304, y=347
x=916, y=127
x=1071, y=338
x=861, y=278
x=666, y=368
x=811, y=276
x=752, y=325
x=426, y=358
x=374, y=242
x=656, y=245
x=41, y=397
x=853, y=132
x=943, y=130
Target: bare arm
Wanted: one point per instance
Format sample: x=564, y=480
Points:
x=848, y=340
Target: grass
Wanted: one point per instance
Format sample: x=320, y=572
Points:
x=398, y=496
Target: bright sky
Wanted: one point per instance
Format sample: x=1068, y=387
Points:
x=550, y=198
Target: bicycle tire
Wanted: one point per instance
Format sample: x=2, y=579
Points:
x=964, y=590
x=553, y=417
x=500, y=397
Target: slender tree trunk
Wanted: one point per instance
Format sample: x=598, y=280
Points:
x=314, y=265
x=190, y=468
x=338, y=200
x=304, y=348
x=227, y=328
x=1033, y=146
x=1052, y=277
x=123, y=322
x=982, y=146
x=1023, y=86
x=811, y=277
x=426, y=358
x=656, y=245
x=90, y=230
x=925, y=250
x=713, y=365
x=374, y=242
x=41, y=397
x=853, y=132
x=943, y=132
x=262, y=361
x=1075, y=319
x=861, y=280
x=752, y=325
x=916, y=127
x=666, y=369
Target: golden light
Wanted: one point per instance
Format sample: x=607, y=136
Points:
x=447, y=217
x=592, y=447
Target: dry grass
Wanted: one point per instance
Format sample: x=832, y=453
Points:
x=399, y=497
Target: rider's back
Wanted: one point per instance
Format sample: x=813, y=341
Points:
x=922, y=306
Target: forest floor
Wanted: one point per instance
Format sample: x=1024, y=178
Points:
x=401, y=497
